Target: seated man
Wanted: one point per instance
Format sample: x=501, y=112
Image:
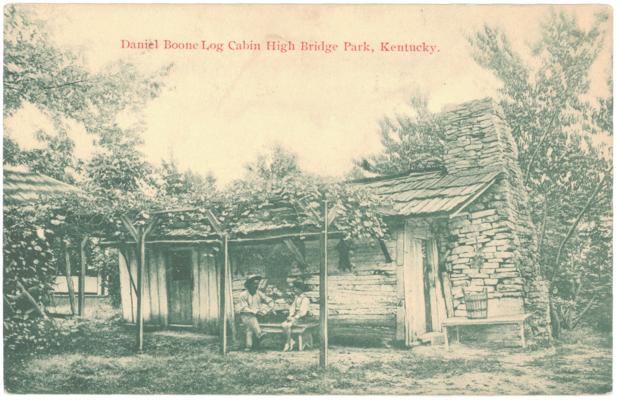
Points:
x=251, y=304
x=299, y=312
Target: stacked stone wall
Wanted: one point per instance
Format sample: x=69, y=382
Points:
x=492, y=244
x=482, y=254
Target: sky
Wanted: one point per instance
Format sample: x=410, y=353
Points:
x=219, y=110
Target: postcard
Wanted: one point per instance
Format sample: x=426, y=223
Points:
x=307, y=199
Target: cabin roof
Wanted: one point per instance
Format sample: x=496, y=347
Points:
x=22, y=186
x=429, y=192
x=415, y=193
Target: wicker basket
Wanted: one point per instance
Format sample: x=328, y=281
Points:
x=476, y=304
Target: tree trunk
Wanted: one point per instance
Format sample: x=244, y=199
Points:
x=574, y=226
x=555, y=322
x=28, y=296
x=69, y=279
x=582, y=313
x=82, y=277
x=542, y=235
x=536, y=151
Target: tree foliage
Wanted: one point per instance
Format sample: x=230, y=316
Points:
x=37, y=72
x=558, y=129
x=276, y=163
x=30, y=262
x=56, y=82
x=179, y=185
x=410, y=142
x=301, y=197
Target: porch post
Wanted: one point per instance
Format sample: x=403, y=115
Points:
x=140, y=288
x=67, y=274
x=323, y=290
x=81, y=287
x=223, y=295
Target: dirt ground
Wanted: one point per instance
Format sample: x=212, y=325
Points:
x=99, y=358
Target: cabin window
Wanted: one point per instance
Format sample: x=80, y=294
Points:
x=180, y=263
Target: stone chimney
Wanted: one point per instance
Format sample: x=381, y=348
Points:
x=496, y=228
x=477, y=137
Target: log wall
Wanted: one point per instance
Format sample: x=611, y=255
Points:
x=362, y=301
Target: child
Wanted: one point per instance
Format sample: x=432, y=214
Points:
x=299, y=311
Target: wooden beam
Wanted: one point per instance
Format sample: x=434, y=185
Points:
x=214, y=222
x=447, y=293
x=229, y=287
x=473, y=198
x=174, y=210
x=297, y=253
x=132, y=282
x=130, y=228
x=149, y=226
x=140, y=288
x=81, y=287
x=284, y=236
x=27, y=294
x=67, y=274
x=164, y=241
x=384, y=250
x=323, y=290
x=142, y=233
x=332, y=213
x=223, y=297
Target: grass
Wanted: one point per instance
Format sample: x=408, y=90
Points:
x=99, y=358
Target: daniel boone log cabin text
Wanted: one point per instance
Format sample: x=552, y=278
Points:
x=283, y=46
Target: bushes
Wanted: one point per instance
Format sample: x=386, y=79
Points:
x=27, y=335
x=29, y=263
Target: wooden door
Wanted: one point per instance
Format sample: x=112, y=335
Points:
x=414, y=284
x=424, y=306
x=180, y=286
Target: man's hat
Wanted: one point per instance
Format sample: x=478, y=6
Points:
x=251, y=278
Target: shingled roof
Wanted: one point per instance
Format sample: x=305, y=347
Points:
x=22, y=186
x=429, y=192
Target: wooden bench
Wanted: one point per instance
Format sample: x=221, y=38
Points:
x=457, y=322
x=303, y=332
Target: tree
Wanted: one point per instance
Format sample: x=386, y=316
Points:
x=566, y=170
x=179, y=185
x=277, y=163
x=57, y=84
x=56, y=158
x=118, y=166
x=410, y=142
x=53, y=80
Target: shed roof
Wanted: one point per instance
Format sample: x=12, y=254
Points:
x=22, y=186
x=429, y=192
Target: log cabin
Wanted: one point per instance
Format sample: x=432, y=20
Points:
x=461, y=228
